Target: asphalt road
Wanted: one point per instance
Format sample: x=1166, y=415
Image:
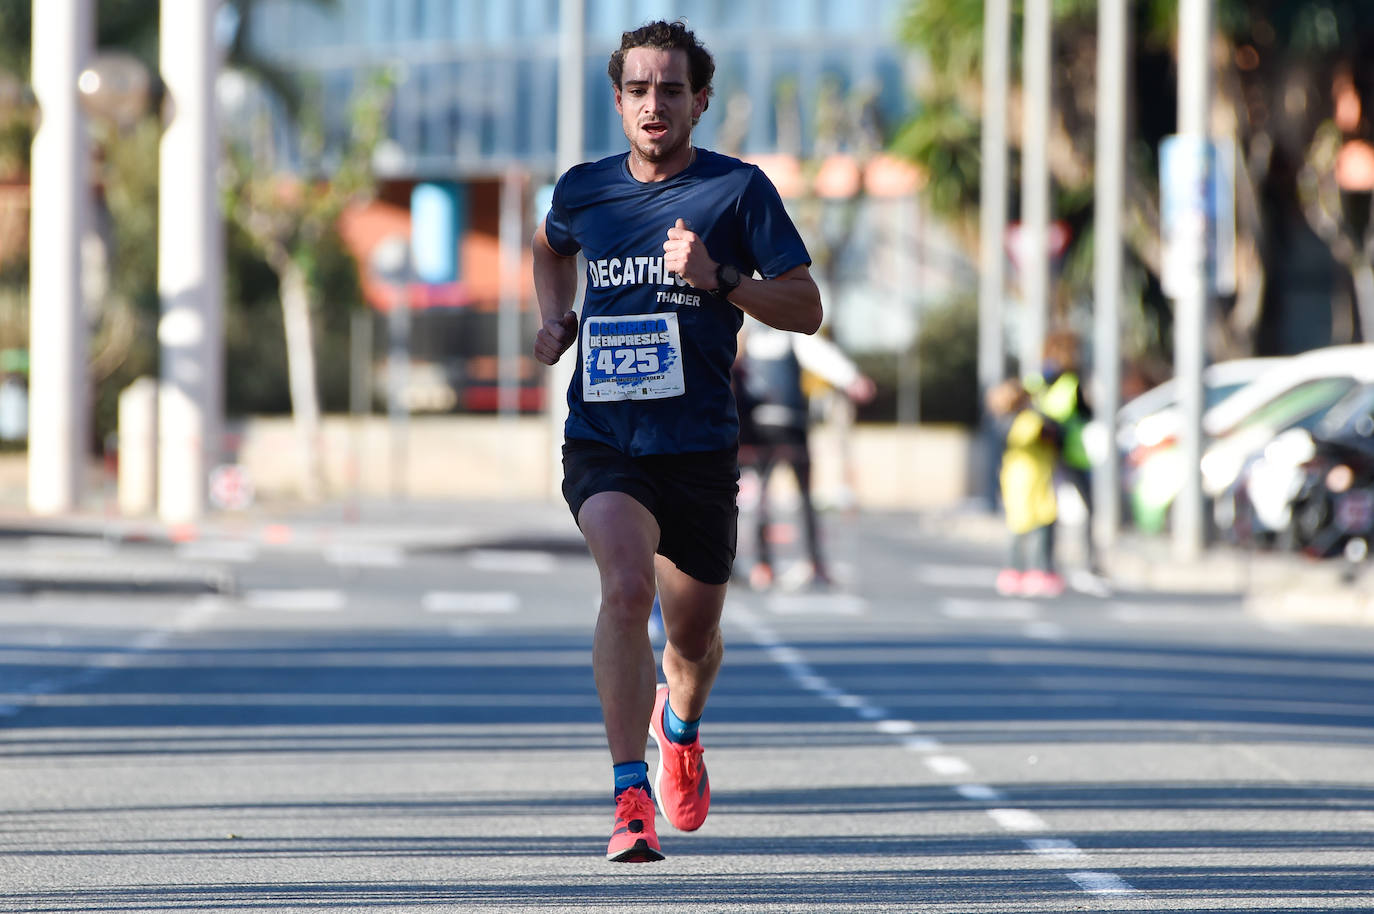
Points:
x=372, y=727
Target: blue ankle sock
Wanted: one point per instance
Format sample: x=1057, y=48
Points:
x=679, y=730
x=631, y=774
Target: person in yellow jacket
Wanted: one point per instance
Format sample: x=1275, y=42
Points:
x=1057, y=393
x=1028, y=500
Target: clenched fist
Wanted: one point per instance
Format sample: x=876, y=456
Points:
x=685, y=255
x=554, y=338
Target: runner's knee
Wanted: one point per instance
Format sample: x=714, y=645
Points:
x=627, y=594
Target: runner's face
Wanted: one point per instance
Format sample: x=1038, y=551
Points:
x=656, y=103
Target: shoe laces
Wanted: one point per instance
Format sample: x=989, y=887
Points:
x=690, y=753
x=634, y=803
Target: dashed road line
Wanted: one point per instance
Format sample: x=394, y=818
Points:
x=1055, y=848
x=303, y=600
x=474, y=602
x=364, y=556
x=947, y=765
x=1017, y=819
x=977, y=577
x=1015, y=610
x=513, y=561
x=1012, y=819
x=1102, y=883
x=817, y=605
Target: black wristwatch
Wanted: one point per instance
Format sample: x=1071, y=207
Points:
x=727, y=279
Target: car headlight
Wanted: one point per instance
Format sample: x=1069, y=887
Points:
x=1294, y=448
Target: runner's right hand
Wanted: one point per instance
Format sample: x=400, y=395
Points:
x=554, y=338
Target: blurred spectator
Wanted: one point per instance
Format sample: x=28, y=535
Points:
x=1027, y=483
x=774, y=419
x=1057, y=393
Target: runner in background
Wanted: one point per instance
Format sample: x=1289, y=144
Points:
x=775, y=420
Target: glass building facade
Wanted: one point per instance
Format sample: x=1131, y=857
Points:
x=478, y=79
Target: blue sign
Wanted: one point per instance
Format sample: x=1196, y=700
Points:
x=1197, y=214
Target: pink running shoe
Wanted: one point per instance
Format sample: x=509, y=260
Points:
x=633, y=838
x=1042, y=584
x=1009, y=582
x=681, y=787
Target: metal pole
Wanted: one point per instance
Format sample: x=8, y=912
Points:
x=1112, y=48
x=189, y=271
x=1035, y=182
x=63, y=35
x=1190, y=307
x=992, y=228
x=397, y=382
x=572, y=54
x=512, y=234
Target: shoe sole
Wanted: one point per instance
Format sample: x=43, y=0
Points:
x=639, y=852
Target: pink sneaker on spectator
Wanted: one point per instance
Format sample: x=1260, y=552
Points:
x=1009, y=582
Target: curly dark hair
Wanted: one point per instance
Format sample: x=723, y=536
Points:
x=666, y=36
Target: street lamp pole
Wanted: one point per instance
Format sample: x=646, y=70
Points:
x=190, y=264
x=63, y=36
x=1190, y=315
x=1035, y=182
x=992, y=203
x=1112, y=45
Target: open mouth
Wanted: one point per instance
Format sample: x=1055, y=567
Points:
x=655, y=129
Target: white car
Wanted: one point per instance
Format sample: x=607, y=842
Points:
x=1241, y=425
x=1153, y=417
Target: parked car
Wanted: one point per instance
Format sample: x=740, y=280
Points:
x=1297, y=390
x=1333, y=510
x=1257, y=508
x=1153, y=418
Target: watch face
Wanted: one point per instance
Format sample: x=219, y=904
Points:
x=729, y=275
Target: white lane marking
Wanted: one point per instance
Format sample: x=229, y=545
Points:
x=1171, y=615
x=1055, y=848
x=234, y=551
x=922, y=744
x=513, y=561
x=955, y=608
x=1044, y=631
x=980, y=793
x=304, y=600
x=948, y=765
x=1017, y=819
x=1102, y=883
x=362, y=556
x=896, y=727
x=870, y=712
x=476, y=602
x=817, y=605
x=980, y=577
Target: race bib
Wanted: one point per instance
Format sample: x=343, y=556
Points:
x=632, y=357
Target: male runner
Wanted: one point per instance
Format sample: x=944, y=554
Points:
x=672, y=236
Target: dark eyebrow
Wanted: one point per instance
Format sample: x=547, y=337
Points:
x=645, y=82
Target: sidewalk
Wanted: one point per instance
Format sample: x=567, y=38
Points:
x=1276, y=585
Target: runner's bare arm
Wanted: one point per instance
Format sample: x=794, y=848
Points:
x=789, y=301
x=555, y=286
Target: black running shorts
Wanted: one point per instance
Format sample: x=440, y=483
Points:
x=692, y=496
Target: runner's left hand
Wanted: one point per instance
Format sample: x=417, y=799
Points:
x=685, y=255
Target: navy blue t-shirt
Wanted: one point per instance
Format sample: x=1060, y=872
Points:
x=653, y=353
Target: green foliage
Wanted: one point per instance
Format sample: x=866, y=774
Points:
x=946, y=358
x=944, y=141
